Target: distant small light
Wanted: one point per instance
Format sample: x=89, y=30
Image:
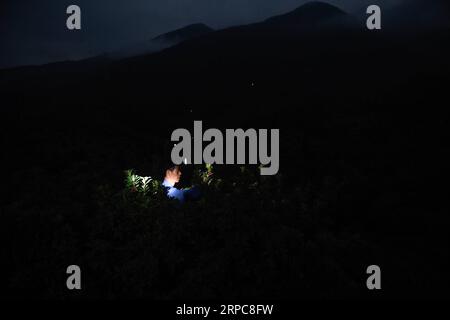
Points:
x=185, y=160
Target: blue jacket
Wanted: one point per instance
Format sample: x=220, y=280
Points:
x=181, y=195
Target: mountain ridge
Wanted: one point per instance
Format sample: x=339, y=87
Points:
x=310, y=12
x=184, y=33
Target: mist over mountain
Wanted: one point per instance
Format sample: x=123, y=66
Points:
x=162, y=41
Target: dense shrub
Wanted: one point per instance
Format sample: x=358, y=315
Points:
x=247, y=237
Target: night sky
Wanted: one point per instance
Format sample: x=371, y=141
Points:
x=34, y=31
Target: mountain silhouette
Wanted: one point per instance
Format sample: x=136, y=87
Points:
x=316, y=32
x=287, y=36
x=305, y=18
x=182, y=34
x=310, y=13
